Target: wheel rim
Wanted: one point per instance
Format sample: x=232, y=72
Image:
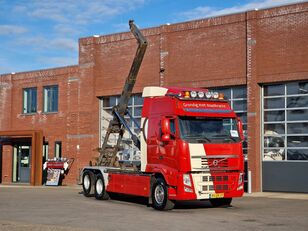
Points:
x=159, y=194
x=99, y=186
x=86, y=182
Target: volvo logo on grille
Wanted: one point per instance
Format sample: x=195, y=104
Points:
x=216, y=162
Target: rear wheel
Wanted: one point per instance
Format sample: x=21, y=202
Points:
x=160, y=196
x=100, y=189
x=221, y=202
x=87, y=183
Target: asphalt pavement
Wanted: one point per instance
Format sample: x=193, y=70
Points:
x=65, y=208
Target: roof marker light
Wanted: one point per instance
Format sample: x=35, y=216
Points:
x=221, y=96
x=215, y=95
x=193, y=94
x=186, y=94
x=208, y=94
x=200, y=94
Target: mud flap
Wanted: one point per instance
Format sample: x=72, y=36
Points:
x=152, y=181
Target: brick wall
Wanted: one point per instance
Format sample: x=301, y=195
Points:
x=200, y=53
x=74, y=124
x=282, y=43
x=247, y=48
x=7, y=159
x=5, y=101
x=210, y=52
x=277, y=50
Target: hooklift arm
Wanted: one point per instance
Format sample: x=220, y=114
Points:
x=118, y=124
x=132, y=76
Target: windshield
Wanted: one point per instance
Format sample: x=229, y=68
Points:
x=209, y=130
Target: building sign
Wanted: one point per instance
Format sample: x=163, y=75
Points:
x=53, y=177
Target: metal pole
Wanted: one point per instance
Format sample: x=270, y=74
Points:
x=249, y=181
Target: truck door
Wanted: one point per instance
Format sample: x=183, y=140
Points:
x=167, y=148
x=153, y=140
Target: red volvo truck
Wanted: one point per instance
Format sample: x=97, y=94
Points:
x=188, y=147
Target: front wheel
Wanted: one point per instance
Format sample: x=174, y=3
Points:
x=160, y=196
x=221, y=202
x=100, y=189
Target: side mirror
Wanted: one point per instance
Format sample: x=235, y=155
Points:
x=165, y=137
x=240, y=128
x=165, y=128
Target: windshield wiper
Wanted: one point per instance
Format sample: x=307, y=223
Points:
x=205, y=138
x=225, y=137
x=198, y=138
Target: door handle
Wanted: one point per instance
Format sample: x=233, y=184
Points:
x=161, y=157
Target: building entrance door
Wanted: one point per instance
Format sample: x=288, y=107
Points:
x=22, y=160
x=24, y=155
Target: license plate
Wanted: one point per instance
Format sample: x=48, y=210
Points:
x=217, y=195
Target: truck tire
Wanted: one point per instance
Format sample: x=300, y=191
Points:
x=87, y=183
x=221, y=202
x=160, y=196
x=100, y=189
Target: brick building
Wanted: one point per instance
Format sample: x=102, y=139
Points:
x=257, y=58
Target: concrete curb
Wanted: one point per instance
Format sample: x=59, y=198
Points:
x=280, y=195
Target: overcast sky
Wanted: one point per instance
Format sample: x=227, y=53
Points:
x=39, y=34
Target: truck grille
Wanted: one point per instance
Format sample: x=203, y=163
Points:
x=217, y=163
x=221, y=183
x=208, y=188
x=214, y=178
x=225, y=162
x=217, y=188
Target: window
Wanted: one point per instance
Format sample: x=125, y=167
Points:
x=172, y=126
x=285, y=121
x=208, y=130
x=58, y=149
x=29, y=100
x=45, y=152
x=134, y=107
x=237, y=97
x=51, y=99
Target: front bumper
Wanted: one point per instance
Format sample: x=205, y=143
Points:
x=208, y=185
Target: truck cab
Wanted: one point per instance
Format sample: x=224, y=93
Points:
x=194, y=140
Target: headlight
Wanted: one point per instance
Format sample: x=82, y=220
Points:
x=186, y=180
x=188, y=190
x=240, y=185
x=240, y=178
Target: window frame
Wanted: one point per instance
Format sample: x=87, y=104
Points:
x=285, y=123
x=45, y=101
x=24, y=110
x=56, y=154
x=133, y=104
